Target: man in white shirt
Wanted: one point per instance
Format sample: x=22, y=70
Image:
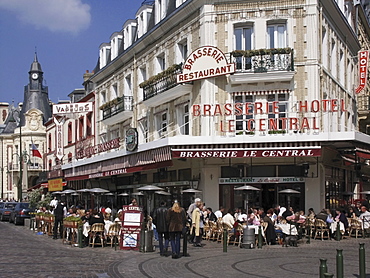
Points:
x=365, y=217
x=229, y=218
x=219, y=213
x=54, y=202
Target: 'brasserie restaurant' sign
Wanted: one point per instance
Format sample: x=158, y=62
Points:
x=205, y=62
x=313, y=152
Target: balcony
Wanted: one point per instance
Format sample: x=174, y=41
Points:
x=275, y=64
x=117, y=110
x=163, y=87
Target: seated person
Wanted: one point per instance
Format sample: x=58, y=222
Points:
x=365, y=217
x=96, y=218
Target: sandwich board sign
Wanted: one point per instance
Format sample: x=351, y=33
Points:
x=132, y=219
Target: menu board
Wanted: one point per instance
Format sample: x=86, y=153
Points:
x=132, y=218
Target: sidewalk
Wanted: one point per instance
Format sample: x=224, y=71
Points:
x=270, y=261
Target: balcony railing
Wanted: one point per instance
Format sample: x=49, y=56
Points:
x=263, y=60
x=161, y=82
x=116, y=106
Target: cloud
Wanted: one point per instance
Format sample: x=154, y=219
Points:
x=55, y=15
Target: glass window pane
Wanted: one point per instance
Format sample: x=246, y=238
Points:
x=270, y=35
x=238, y=39
x=247, y=39
x=281, y=36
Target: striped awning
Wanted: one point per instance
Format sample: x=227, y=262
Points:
x=258, y=93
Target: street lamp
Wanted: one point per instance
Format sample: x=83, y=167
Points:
x=22, y=155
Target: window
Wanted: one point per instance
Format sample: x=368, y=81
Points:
x=114, y=134
x=341, y=67
x=69, y=157
x=161, y=63
x=128, y=89
x=142, y=78
x=50, y=143
x=185, y=120
x=185, y=174
x=243, y=37
x=163, y=125
x=283, y=108
x=114, y=91
x=88, y=124
x=50, y=164
x=69, y=133
x=276, y=35
x=81, y=128
x=324, y=46
x=182, y=51
x=144, y=130
x=103, y=98
x=333, y=58
x=243, y=122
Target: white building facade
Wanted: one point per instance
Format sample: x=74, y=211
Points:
x=215, y=96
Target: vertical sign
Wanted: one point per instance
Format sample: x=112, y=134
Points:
x=59, y=137
x=363, y=57
x=132, y=218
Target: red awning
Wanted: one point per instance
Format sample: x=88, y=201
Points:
x=122, y=171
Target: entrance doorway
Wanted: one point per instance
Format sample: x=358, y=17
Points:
x=266, y=198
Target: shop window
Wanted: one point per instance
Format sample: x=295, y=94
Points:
x=262, y=171
x=232, y=171
x=276, y=35
x=185, y=174
x=70, y=133
x=290, y=171
x=172, y=175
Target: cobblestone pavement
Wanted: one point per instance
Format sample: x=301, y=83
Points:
x=26, y=254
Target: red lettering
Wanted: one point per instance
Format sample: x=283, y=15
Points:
x=301, y=106
x=334, y=105
x=196, y=110
x=315, y=106
x=258, y=107
x=207, y=110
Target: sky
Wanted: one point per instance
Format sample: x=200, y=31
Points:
x=67, y=35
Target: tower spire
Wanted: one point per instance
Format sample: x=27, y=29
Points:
x=35, y=59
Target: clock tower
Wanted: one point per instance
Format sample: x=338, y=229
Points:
x=35, y=93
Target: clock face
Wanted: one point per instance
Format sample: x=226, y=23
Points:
x=35, y=75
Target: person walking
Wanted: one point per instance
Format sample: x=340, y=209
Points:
x=176, y=220
x=197, y=225
x=59, y=213
x=159, y=220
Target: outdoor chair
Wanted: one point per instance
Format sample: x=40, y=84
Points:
x=355, y=226
x=113, y=234
x=321, y=228
x=97, y=231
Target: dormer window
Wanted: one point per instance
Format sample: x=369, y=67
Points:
x=104, y=55
x=142, y=18
x=161, y=10
x=129, y=31
x=115, y=43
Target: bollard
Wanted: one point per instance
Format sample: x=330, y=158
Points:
x=79, y=235
x=185, y=246
x=328, y=275
x=323, y=268
x=308, y=234
x=260, y=239
x=225, y=240
x=340, y=272
x=338, y=234
x=362, y=264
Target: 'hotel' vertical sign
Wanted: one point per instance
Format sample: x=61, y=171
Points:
x=59, y=137
x=363, y=57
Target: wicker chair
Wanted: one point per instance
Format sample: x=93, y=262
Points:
x=309, y=225
x=113, y=234
x=355, y=226
x=264, y=226
x=321, y=228
x=97, y=231
x=228, y=228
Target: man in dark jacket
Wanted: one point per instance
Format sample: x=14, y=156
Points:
x=159, y=220
x=58, y=221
